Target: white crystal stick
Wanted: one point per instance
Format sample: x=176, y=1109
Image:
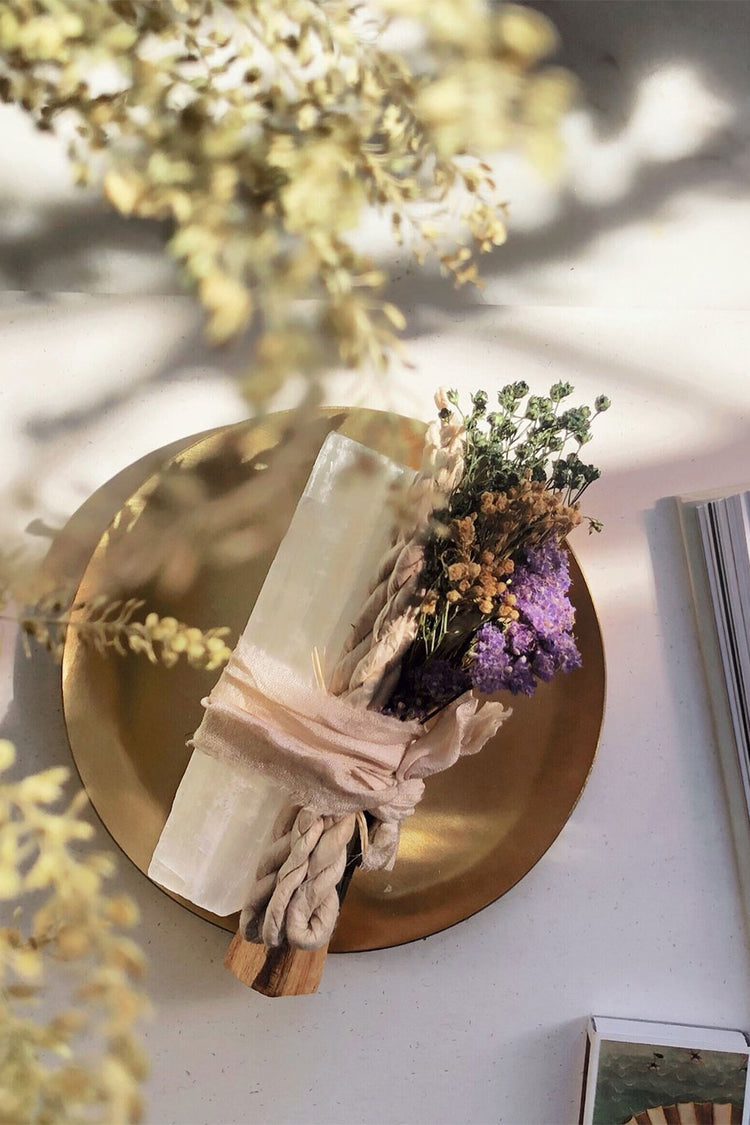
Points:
x=222, y=814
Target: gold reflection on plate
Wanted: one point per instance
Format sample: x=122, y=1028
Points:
x=481, y=826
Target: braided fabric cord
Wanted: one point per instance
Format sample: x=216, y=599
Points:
x=369, y=666
x=294, y=897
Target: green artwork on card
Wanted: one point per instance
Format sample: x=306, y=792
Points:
x=633, y=1077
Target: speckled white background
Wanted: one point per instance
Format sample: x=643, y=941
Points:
x=631, y=280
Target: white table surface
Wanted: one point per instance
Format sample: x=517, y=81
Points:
x=635, y=909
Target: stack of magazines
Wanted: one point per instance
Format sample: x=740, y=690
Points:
x=716, y=531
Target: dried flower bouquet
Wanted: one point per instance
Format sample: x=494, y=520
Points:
x=470, y=599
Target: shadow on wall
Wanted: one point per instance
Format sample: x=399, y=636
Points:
x=665, y=95
x=61, y=246
x=614, y=48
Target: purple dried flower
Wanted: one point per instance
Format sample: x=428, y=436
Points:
x=540, y=643
x=543, y=666
x=565, y=653
x=441, y=680
x=520, y=638
x=491, y=666
x=541, y=585
x=422, y=691
x=521, y=680
x=549, y=561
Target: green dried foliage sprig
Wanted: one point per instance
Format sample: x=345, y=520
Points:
x=522, y=485
x=71, y=1054
x=260, y=132
x=534, y=436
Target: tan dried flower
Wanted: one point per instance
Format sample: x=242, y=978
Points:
x=108, y=624
x=429, y=603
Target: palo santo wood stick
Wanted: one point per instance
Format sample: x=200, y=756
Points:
x=276, y=972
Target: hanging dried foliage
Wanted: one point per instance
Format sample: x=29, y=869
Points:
x=260, y=131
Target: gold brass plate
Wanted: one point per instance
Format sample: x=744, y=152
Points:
x=481, y=826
